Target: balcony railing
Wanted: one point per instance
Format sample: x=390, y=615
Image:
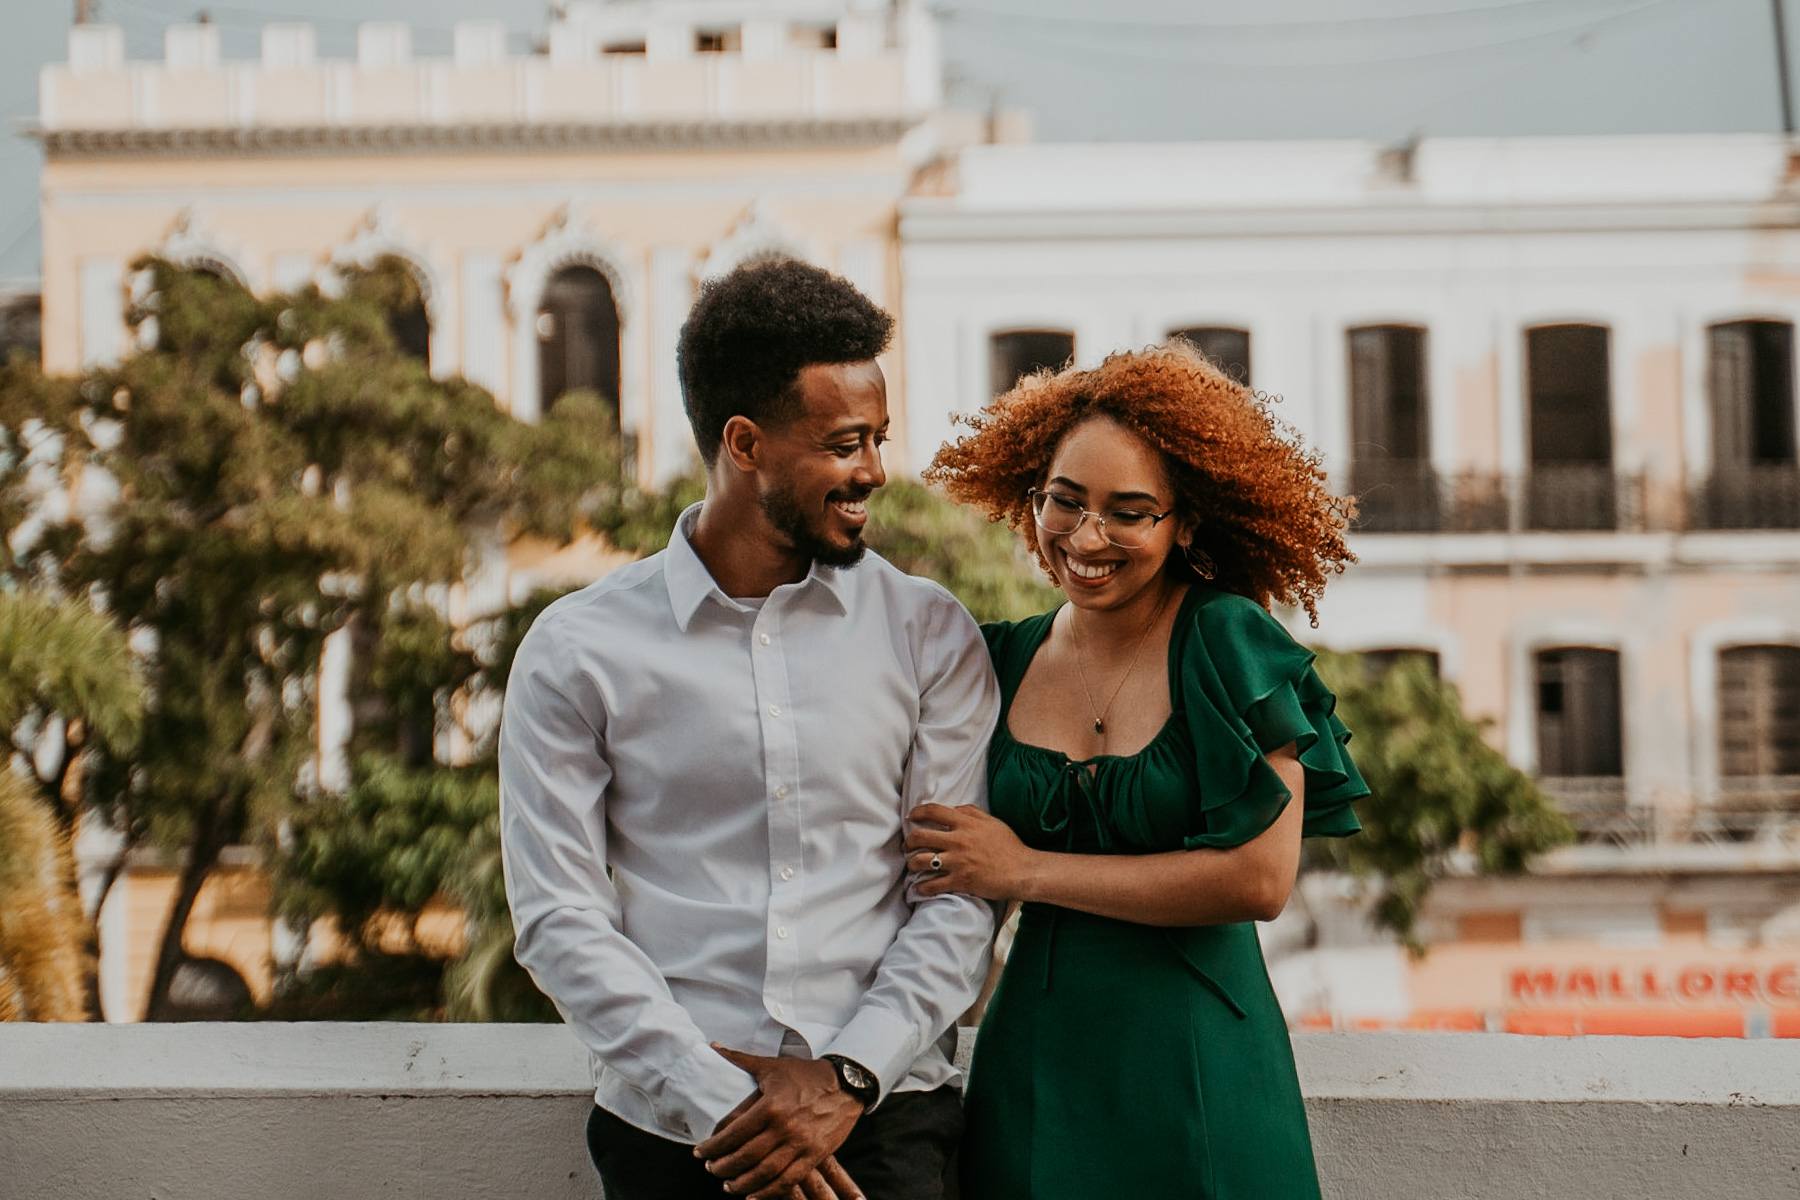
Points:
x=1752, y=497
x=1597, y=807
x=1412, y=498
x=1409, y=497
x=1750, y=808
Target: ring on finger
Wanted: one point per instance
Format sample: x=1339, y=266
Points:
x=937, y=863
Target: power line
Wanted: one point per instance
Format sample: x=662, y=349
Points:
x=1185, y=56
x=1413, y=20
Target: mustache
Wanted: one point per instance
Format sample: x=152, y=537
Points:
x=850, y=495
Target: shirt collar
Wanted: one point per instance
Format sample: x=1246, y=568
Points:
x=690, y=583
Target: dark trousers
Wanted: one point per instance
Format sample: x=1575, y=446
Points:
x=904, y=1150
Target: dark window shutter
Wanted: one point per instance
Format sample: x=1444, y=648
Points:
x=1017, y=353
x=1580, y=727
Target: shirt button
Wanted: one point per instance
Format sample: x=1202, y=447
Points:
x=765, y=638
x=781, y=792
x=787, y=873
x=774, y=710
x=781, y=932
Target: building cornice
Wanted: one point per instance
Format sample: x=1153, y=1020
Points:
x=925, y=221
x=305, y=141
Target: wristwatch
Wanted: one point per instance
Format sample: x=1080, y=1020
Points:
x=856, y=1079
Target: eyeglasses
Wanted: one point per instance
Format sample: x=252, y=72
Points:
x=1126, y=528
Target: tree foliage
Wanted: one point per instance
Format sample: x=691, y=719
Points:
x=264, y=473
x=1439, y=792
x=44, y=956
x=410, y=831
x=980, y=562
x=71, y=708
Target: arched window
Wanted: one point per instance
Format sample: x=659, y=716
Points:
x=578, y=337
x=1390, y=433
x=1569, y=373
x=1750, y=384
x=1580, y=739
x=1230, y=348
x=412, y=329
x=1017, y=353
x=390, y=282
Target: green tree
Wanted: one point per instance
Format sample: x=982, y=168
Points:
x=71, y=706
x=281, y=470
x=409, y=830
x=44, y=959
x=1437, y=789
x=982, y=563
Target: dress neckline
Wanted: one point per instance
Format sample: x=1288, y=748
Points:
x=1176, y=641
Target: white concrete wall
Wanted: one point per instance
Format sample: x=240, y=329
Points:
x=448, y=1111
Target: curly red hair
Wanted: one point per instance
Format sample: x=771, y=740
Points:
x=1257, y=499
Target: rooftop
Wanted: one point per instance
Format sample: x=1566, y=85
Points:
x=598, y=65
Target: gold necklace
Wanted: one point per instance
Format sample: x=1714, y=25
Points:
x=1081, y=670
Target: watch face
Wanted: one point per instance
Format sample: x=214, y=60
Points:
x=856, y=1076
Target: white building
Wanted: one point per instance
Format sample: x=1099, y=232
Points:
x=1560, y=375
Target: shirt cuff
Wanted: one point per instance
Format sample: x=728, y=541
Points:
x=885, y=1044
x=703, y=1088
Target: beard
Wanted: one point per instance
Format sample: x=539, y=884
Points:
x=782, y=507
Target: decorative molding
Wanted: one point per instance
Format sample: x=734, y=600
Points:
x=515, y=137
x=193, y=244
x=566, y=242
x=569, y=241
x=756, y=235
x=379, y=236
x=930, y=220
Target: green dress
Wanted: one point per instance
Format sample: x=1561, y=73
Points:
x=1126, y=1060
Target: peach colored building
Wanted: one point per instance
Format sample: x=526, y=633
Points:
x=557, y=209
x=576, y=195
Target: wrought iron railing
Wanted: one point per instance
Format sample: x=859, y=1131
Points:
x=1599, y=809
x=1411, y=498
x=1749, y=808
x=1764, y=496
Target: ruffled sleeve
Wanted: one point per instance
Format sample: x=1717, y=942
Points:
x=1249, y=688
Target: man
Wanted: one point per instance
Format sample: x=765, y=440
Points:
x=706, y=760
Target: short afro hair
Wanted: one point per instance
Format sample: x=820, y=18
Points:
x=751, y=332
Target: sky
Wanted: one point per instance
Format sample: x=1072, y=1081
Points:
x=1139, y=70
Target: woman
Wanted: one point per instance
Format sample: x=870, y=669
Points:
x=1163, y=747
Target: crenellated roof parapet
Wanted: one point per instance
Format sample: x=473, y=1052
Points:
x=648, y=74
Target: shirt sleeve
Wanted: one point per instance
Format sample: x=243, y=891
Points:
x=553, y=781
x=934, y=969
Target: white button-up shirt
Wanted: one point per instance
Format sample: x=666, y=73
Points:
x=702, y=804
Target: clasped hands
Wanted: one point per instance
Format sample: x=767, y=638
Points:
x=779, y=1143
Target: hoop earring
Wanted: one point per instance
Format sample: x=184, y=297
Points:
x=1199, y=560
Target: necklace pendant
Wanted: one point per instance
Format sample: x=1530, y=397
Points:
x=1099, y=725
